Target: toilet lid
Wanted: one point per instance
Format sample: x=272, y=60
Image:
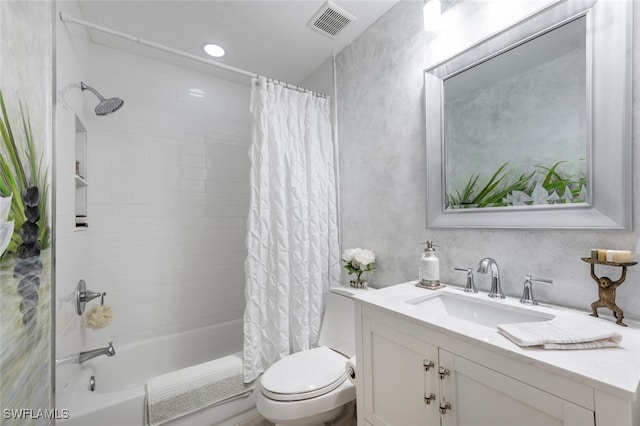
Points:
x=304, y=375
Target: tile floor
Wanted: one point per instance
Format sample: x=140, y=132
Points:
x=347, y=418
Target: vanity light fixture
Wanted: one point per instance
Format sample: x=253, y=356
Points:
x=214, y=50
x=432, y=13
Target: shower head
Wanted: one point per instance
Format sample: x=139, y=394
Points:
x=106, y=106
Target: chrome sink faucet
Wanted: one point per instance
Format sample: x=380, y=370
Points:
x=471, y=286
x=485, y=265
x=87, y=355
x=527, y=293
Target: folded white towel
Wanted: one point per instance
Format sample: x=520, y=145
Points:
x=190, y=389
x=562, y=333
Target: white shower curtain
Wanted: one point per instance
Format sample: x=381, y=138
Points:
x=292, y=233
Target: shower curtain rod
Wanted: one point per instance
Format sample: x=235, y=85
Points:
x=70, y=19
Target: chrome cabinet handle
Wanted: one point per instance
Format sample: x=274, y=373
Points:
x=428, y=399
x=428, y=365
x=445, y=407
x=443, y=372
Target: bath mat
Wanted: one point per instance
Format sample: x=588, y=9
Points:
x=190, y=389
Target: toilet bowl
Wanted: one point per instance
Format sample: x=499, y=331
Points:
x=306, y=388
x=311, y=387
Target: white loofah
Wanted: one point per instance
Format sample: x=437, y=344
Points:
x=99, y=317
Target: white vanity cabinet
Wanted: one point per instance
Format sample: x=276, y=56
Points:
x=410, y=382
x=414, y=373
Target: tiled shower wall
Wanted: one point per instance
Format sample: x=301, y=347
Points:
x=72, y=254
x=168, y=196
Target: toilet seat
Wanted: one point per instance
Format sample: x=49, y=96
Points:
x=304, y=375
x=312, y=411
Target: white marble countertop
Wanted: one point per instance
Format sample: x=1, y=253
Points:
x=613, y=370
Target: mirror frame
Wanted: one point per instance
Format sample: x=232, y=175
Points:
x=609, y=118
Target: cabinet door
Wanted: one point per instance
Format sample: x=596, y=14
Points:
x=396, y=380
x=481, y=396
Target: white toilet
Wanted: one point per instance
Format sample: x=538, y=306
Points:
x=311, y=387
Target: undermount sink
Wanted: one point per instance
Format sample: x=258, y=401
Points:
x=485, y=312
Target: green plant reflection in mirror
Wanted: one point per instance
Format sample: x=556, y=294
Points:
x=542, y=185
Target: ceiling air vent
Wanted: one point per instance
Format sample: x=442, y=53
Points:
x=330, y=19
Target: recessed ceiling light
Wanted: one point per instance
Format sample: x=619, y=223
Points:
x=214, y=50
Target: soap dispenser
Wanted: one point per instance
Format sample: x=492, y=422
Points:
x=429, y=267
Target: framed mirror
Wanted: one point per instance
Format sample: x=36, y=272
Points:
x=531, y=127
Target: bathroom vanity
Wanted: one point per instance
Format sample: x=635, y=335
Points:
x=436, y=358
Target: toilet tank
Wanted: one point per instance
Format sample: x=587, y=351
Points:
x=338, y=322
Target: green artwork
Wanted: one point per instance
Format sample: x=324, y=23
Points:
x=26, y=139
x=25, y=267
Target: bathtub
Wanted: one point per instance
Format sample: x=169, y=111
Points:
x=120, y=380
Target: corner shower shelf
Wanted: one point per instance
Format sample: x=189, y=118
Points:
x=80, y=176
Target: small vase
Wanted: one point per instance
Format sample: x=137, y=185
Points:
x=359, y=282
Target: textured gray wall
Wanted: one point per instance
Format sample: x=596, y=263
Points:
x=382, y=177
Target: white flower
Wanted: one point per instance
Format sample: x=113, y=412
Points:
x=349, y=254
x=358, y=260
x=365, y=257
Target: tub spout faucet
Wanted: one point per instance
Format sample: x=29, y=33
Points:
x=87, y=355
x=485, y=265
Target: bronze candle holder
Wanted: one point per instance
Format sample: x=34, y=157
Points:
x=607, y=288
